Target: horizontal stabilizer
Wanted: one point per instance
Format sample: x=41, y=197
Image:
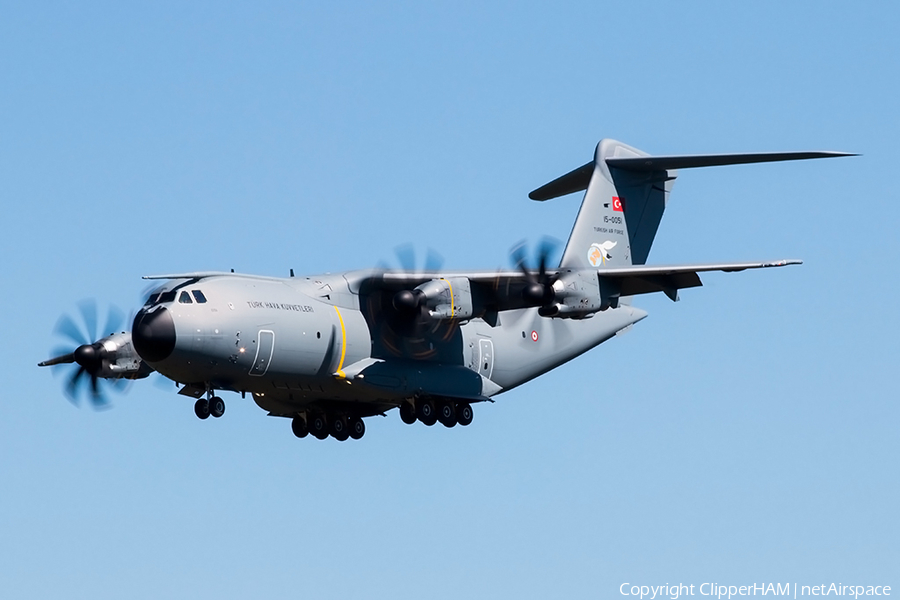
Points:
x=571, y=182
x=662, y=163
x=578, y=179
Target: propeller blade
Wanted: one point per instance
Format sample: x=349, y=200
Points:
x=89, y=314
x=433, y=261
x=406, y=255
x=539, y=288
x=97, y=398
x=72, y=385
x=517, y=253
x=67, y=327
x=548, y=247
x=113, y=321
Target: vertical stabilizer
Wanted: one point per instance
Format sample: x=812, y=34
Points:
x=627, y=191
x=620, y=212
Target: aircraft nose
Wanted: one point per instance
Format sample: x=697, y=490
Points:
x=153, y=334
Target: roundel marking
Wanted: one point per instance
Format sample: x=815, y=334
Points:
x=534, y=336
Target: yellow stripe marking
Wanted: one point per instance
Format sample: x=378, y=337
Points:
x=340, y=370
x=452, y=309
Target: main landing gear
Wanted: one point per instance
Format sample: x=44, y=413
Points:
x=428, y=411
x=321, y=425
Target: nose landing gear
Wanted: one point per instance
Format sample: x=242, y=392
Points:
x=211, y=406
x=201, y=408
x=216, y=407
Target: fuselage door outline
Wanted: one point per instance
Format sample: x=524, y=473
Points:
x=265, y=348
x=486, y=357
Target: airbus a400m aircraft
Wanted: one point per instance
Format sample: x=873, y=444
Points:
x=326, y=351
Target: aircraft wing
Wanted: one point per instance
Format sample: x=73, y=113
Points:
x=502, y=290
x=645, y=279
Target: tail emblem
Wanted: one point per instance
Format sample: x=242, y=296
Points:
x=598, y=254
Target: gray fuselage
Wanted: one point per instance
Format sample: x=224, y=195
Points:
x=294, y=342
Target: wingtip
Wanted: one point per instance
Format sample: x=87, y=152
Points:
x=785, y=262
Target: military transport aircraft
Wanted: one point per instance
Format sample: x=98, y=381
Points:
x=327, y=351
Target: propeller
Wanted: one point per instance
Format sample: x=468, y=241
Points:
x=410, y=304
x=401, y=323
x=538, y=290
x=89, y=355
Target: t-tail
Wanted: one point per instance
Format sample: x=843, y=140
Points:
x=626, y=195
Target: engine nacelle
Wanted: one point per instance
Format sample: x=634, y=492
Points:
x=577, y=296
x=449, y=298
x=120, y=360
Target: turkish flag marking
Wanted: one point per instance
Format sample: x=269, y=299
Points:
x=617, y=204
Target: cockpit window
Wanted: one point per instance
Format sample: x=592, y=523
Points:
x=161, y=297
x=199, y=297
x=185, y=298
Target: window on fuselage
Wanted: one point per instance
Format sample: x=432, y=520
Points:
x=199, y=297
x=185, y=298
x=167, y=297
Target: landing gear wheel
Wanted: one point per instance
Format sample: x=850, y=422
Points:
x=340, y=430
x=464, y=414
x=216, y=407
x=318, y=426
x=447, y=414
x=426, y=412
x=299, y=426
x=357, y=428
x=201, y=408
x=407, y=413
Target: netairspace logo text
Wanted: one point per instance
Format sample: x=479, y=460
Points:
x=716, y=590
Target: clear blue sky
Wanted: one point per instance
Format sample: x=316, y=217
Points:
x=748, y=433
